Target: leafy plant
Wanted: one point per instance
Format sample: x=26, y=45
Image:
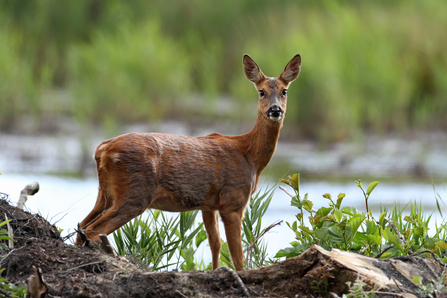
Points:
x=329, y=227
x=254, y=246
x=153, y=242
x=347, y=228
x=7, y=289
x=431, y=290
x=359, y=289
x=4, y=235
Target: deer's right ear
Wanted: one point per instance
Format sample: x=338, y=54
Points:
x=252, y=70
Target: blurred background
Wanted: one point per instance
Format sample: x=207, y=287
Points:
x=370, y=102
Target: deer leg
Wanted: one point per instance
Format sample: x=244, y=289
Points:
x=211, y=222
x=103, y=203
x=119, y=214
x=232, y=222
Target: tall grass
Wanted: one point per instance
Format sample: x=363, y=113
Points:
x=367, y=66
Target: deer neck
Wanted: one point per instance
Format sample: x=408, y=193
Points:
x=261, y=141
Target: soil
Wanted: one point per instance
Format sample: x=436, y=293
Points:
x=72, y=271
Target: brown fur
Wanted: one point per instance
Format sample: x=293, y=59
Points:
x=214, y=173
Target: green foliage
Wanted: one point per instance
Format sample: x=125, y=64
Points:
x=158, y=241
x=386, y=68
x=360, y=289
x=432, y=290
x=7, y=289
x=155, y=241
x=254, y=245
x=349, y=229
x=10, y=290
x=4, y=234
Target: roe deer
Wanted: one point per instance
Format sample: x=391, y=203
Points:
x=213, y=173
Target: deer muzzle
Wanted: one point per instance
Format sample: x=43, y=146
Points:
x=275, y=113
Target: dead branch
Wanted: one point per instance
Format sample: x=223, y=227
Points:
x=28, y=190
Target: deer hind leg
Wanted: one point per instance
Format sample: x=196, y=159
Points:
x=123, y=210
x=232, y=222
x=211, y=222
x=103, y=203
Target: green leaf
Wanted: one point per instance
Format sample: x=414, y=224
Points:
x=382, y=219
x=371, y=228
x=441, y=245
x=307, y=204
x=285, y=181
x=287, y=252
x=327, y=196
x=420, y=231
x=350, y=210
x=338, y=215
x=359, y=183
x=409, y=219
x=374, y=238
x=296, y=202
x=323, y=211
x=396, y=241
x=416, y=279
x=306, y=229
x=339, y=200
x=295, y=181
x=354, y=223
x=225, y=257
x=294, y=226
x=337, y=234
x=371, y=187
x=201, y=236
x=322, y=234
x=360, y=237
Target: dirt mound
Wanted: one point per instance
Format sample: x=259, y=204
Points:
x=71, y=271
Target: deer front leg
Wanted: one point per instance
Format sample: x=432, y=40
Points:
x=211, y=222
x=232, y=222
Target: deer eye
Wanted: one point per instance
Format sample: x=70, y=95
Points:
x=261, y=93
x=284, y=92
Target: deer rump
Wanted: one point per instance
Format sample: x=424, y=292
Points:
x=175, y=173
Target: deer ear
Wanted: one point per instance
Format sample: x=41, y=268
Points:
x=252, y=70
x=292, y=70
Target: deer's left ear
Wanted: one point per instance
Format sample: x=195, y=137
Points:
x=292, y=70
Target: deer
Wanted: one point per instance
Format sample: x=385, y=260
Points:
x=216, y=174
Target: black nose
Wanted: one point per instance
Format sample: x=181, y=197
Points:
x=274, y=112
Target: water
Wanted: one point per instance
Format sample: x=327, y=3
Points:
x=66, y=201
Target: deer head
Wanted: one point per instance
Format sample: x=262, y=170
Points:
x=272, y=91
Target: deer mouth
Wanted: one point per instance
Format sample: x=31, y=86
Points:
x=275, y=113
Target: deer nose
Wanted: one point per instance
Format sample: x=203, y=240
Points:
x=274, y=113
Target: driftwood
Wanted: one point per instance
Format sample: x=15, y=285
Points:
x=29, y=190
x=70, y=271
